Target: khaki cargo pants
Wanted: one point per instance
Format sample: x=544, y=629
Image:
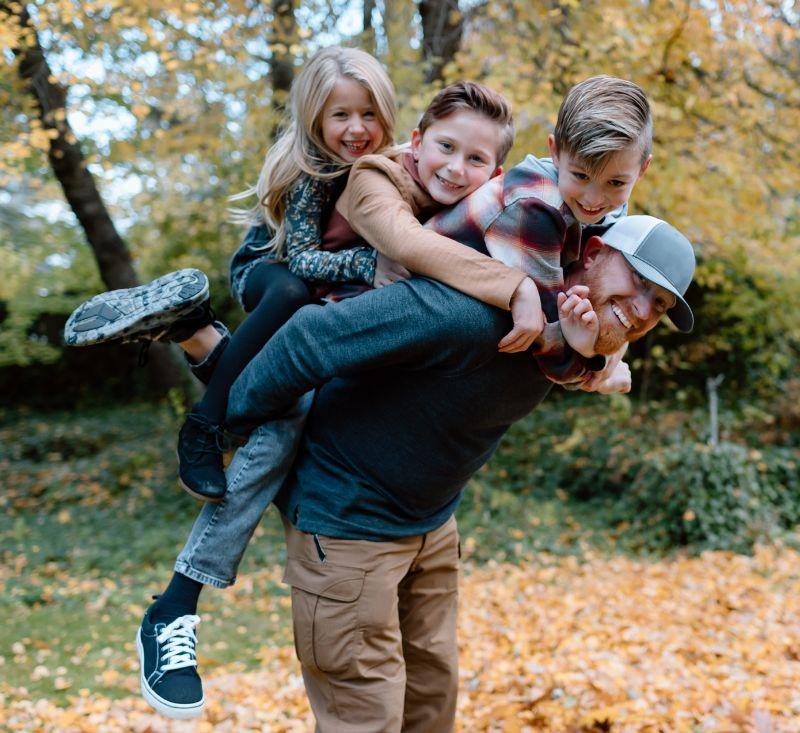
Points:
x=375, y=630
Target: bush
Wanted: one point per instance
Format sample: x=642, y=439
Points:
x=723, y=498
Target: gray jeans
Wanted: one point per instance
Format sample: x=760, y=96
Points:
x=220, y=535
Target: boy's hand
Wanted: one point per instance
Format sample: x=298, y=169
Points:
x=387, y=271
x=579, y=322
x=526, y=310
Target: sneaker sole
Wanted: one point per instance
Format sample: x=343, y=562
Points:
x=178, y=711
x=202, y=497
x=122, y=314
x=193, y=493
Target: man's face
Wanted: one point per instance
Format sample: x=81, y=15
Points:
x=627, y=305
x=590, y=196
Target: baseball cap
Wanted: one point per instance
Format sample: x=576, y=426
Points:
x=660, y=254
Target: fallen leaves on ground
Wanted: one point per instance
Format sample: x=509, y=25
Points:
x=710, y=643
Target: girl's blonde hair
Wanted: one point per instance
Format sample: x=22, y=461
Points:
x=300, y=148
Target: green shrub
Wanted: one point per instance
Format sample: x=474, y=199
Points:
x=724, y=498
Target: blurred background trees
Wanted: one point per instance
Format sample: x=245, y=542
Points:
x=167, y=108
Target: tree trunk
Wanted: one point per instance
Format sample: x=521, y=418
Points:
x=442, y=28
x=367, y=36
x=283, y=36
x=110, y=251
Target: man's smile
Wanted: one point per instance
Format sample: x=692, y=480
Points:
x=617, y=311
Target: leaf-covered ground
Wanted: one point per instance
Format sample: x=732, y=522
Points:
x=709, y=643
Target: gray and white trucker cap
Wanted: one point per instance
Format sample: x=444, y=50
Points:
x=660, y=254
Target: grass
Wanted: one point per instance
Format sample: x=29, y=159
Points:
x=91, y=524
x=92, y=520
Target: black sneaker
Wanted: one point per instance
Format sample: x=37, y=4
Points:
x=168, y=663
x=200, y=447
x=144, y=313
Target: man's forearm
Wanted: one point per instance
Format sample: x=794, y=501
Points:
x=408, y=323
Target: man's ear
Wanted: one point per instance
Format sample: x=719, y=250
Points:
x=591, y=250
x=645, y=166
x=416, y=141
x=551, y=143
x=497, y=172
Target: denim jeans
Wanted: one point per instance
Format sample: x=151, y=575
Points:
x=220, y=535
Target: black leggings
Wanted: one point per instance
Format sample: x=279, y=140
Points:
x=272, y=294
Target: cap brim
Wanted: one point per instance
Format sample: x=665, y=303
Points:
x=680, y=314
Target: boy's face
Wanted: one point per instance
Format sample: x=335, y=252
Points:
x=456, y=155
x=590, y=196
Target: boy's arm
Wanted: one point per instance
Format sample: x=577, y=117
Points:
x=304, y=206
x=416, y=323
x=378, y=212
x=529, y=234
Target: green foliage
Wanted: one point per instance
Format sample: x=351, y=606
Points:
x=44, y=272
x=643, y=479
x=692, y=494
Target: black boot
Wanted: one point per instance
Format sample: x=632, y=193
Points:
x=200, y=446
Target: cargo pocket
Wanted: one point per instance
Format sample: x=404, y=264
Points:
x=325, y=613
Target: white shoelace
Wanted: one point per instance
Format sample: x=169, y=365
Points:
x=177, y=642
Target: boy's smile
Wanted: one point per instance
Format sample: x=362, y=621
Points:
x=350, y=125
x=456, y=155
x=592, y=195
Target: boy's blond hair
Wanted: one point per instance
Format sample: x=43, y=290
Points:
x=478, y=98
x=300, y=148
x=601, y=116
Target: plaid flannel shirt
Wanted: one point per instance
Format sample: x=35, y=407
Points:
x=522, y=220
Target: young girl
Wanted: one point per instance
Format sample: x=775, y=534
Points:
x=341, y=108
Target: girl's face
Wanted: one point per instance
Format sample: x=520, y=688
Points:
x=350, y=125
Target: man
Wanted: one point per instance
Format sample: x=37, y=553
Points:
x=413, y=397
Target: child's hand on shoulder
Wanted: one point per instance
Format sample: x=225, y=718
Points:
x=387, y=271
x=526, y=310
x=579, y=322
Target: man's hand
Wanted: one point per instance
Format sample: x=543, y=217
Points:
x=579, y=322
x=387, y=271
x=618, y=381
x=592, y=383
x=526, y=310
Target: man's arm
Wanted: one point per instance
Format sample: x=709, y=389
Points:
x=414, y=323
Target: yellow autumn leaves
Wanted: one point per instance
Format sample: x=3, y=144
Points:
x=617, y=645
